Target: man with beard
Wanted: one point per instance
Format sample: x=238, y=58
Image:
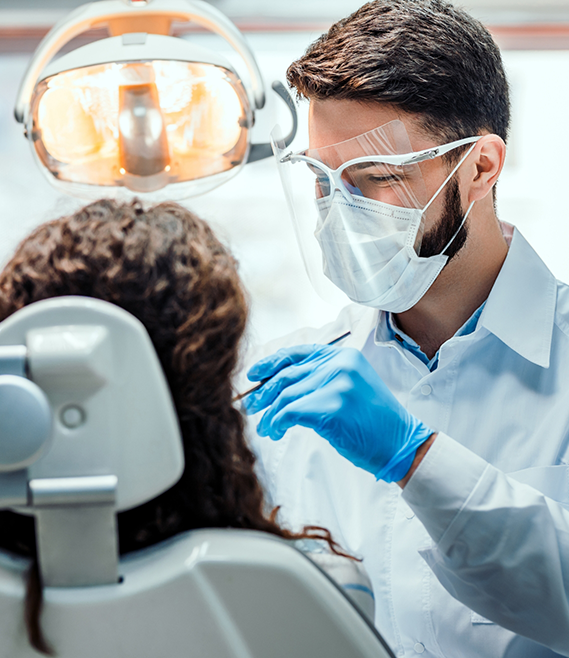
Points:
x=444, y=412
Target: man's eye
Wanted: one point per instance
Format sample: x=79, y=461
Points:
x=378, y=180
x=383, y=179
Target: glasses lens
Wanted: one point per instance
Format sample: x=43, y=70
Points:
x=399, y=186
x=322, y=185
x=372, y=179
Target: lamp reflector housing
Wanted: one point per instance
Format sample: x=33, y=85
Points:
x=141, y=125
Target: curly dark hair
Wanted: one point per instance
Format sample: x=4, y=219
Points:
x=165, y=266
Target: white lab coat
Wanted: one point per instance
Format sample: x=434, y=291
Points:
x=472, y=559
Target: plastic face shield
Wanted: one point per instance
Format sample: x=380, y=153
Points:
x=377, y=165
x=141, y=126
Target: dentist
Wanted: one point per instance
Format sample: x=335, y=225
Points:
x=452, y=383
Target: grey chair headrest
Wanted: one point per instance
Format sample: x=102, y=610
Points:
x=87, y=421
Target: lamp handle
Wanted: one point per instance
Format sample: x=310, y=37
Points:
x=98, y=14
x=262, y=151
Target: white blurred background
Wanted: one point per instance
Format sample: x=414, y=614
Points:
x=250, y=212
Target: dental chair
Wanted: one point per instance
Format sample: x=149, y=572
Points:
x=88, y=428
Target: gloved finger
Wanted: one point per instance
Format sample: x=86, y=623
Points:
x=316, y=372
x=286, y=356
x=306, y=371
x=289, y=396
x=306, y=411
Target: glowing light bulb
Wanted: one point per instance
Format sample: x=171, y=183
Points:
x=143, y=142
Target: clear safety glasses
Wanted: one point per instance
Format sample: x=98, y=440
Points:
x=142, y=125
x=370, y=176
x=379, y=165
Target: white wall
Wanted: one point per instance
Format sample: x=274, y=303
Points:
x=292, y=9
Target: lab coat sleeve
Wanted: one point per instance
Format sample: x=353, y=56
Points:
x=501, y=547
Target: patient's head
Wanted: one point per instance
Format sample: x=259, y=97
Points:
x=165, y=266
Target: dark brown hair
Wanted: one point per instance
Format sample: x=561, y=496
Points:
x=427, y=57
x=165, y=266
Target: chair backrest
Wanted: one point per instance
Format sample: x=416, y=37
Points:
x=207, y=594
x=88, y=428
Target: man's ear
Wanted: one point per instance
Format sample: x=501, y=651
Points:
x=484, y=166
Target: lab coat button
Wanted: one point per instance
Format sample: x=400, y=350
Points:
x=409, y=514
x=426, y=389
x=419, y=648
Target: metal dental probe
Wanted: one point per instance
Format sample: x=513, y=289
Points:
x=264, y=381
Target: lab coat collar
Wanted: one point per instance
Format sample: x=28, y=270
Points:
x=382, y=333
x=520, y=309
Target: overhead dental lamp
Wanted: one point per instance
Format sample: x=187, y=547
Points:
x=142, y=110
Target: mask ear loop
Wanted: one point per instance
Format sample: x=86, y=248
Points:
x=452, y=173
x=458, y=229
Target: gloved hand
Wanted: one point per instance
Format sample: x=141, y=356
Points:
x=337, y=393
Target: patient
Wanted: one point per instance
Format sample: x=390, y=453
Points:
x=165, y=266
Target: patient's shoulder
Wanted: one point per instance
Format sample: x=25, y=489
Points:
x=348, y=573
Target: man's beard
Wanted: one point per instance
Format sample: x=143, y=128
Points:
x=440, y=235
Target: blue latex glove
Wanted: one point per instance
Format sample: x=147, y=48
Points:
x=336, y=392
